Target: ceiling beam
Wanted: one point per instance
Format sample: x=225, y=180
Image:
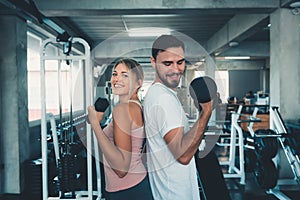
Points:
x=56, y=8
x=237, y=29
x=241, y=65
x=249, y=48
x=29, y=12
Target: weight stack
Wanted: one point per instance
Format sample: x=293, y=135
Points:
x=33, y=179
x=67, y=176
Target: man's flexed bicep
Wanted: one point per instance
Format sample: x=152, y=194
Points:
x=184, y=145
x=174, y=140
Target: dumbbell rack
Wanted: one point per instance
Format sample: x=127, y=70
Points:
x=89, y=99
x=277, y=124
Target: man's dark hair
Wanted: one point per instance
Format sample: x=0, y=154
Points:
x=163, y=42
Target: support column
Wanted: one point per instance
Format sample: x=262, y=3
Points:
x=285, y=63
x=14, y=126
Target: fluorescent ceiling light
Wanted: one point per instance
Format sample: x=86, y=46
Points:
x=237, y=57
x=197, y=64
x=53, y=25
x=148, y=32
x=295, y=4
x=233, y=44
x=146, y=16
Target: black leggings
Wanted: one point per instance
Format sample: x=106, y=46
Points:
x=137, y=192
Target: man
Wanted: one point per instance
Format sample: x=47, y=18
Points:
x=171, y=144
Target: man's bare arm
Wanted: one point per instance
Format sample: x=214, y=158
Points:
x=184, y=146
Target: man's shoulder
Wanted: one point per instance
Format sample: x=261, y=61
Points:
x=158, y=89
x=157, y=86
x=158, y=93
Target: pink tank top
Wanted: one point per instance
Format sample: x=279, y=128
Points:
x=137, y=171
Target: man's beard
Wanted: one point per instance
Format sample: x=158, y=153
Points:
x=173, y=84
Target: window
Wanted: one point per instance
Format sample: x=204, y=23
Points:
x=62, y=81
x=33, y=73
x=221, y=79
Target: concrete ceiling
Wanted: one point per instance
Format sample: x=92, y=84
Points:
x=212, y=23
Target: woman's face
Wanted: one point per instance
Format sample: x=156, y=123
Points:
x=123, y=82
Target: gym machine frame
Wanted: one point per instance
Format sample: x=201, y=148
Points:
x=281, y=134
x=277, y=124
x=89, y=99
x=234, y=171
x=237, y=134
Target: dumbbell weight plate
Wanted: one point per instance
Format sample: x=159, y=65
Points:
x=101, y=104
x=203, y=89
x=266, y=174
x=250, y=160
x=265, y=147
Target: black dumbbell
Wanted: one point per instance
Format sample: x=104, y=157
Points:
x=202, y=90
x=101, y=104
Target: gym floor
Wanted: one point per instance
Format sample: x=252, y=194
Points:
x=251, y=190
x=237, y=191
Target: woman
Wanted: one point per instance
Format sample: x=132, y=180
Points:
x=122, y=140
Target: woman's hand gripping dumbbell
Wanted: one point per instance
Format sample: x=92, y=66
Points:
x=96, y=112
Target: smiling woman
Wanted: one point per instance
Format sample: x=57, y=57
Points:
x=122, y=140
x=126, y=78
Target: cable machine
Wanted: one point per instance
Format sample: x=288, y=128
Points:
x=66, y=128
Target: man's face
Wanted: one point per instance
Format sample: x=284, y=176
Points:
x=169, y=66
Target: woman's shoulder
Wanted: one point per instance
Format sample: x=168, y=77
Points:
x=121, y=108
x=129, y=111
x=135, y=102
x=126, y=108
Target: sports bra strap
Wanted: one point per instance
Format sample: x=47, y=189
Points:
x=135, y=101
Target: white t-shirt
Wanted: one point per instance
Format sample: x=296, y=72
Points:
x=169, y=179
